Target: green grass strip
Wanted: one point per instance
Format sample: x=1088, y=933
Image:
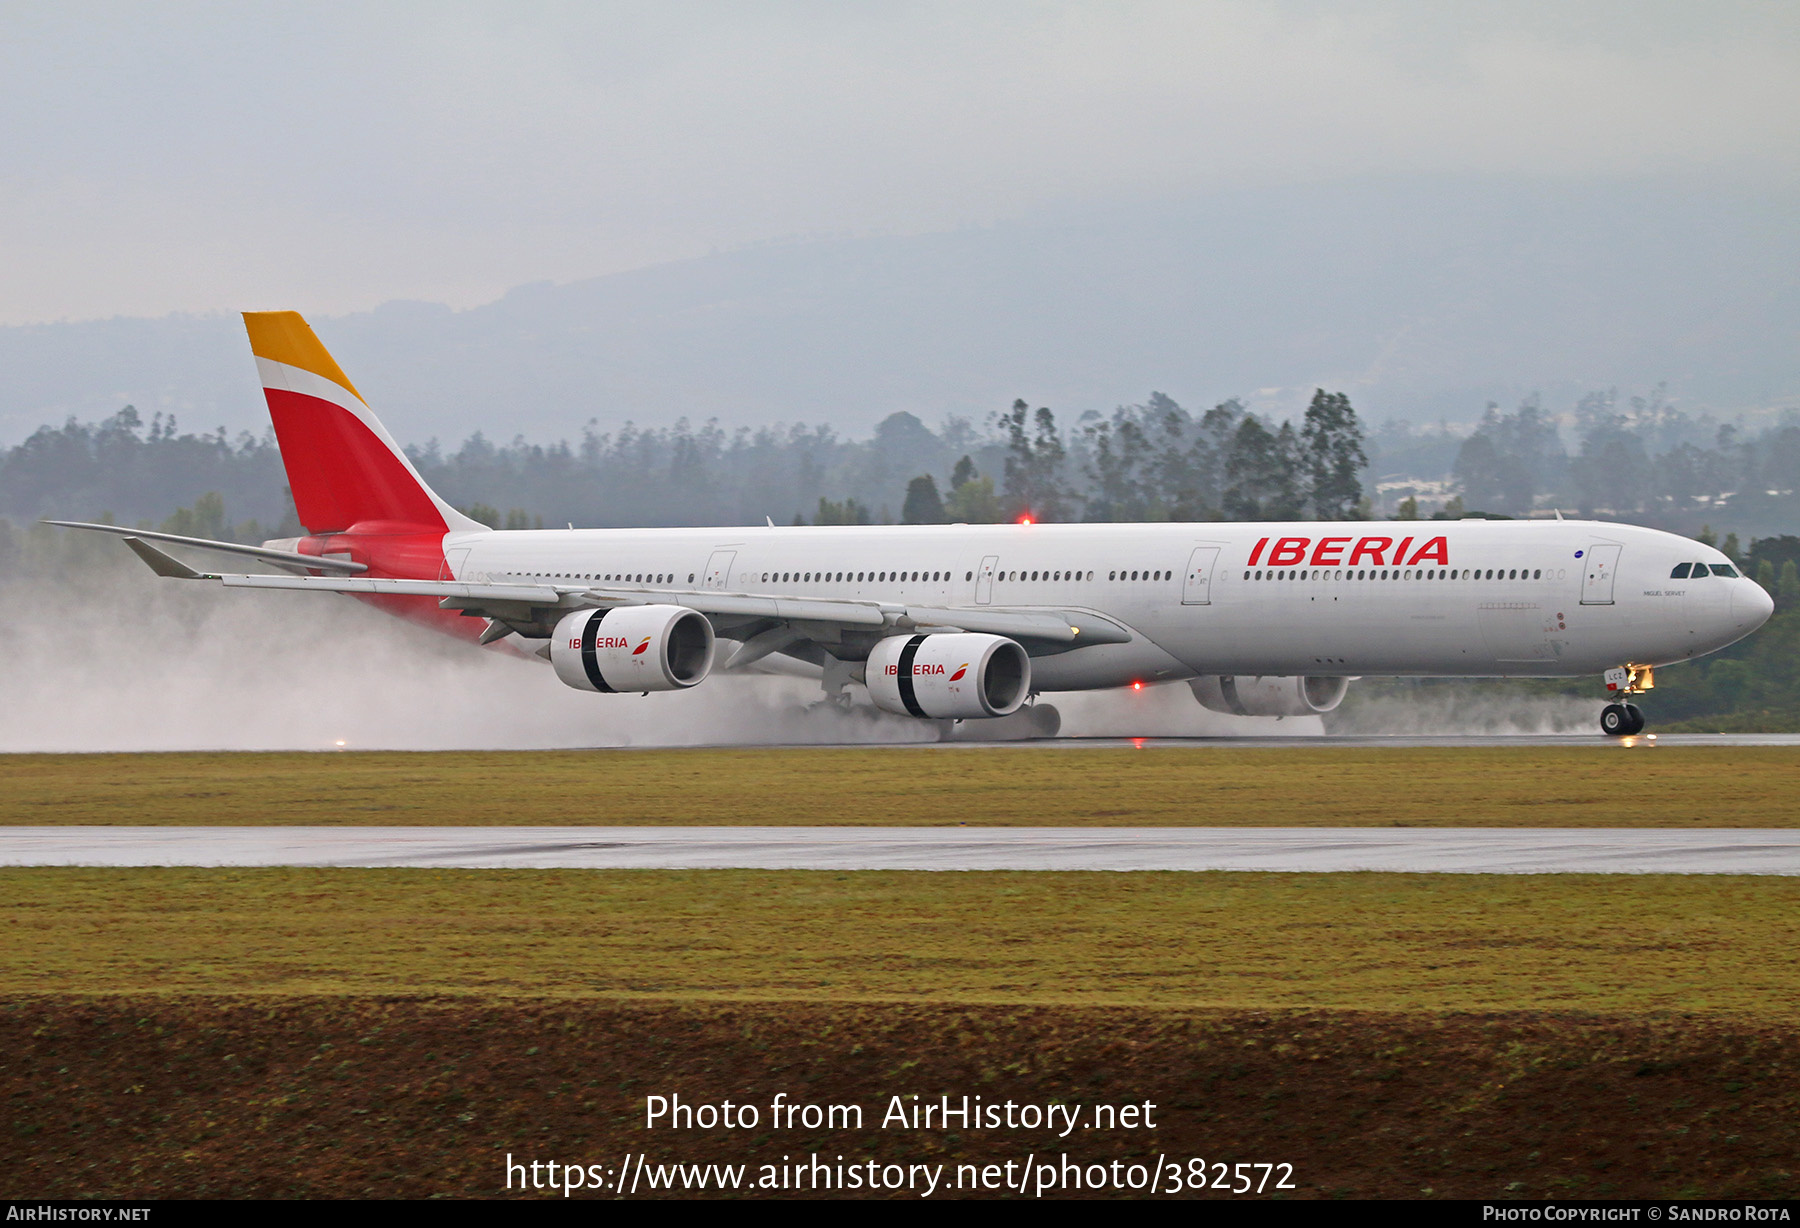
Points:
x=1585, y=786
x=1613, y=944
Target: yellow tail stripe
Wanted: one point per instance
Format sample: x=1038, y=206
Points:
x=284, y=336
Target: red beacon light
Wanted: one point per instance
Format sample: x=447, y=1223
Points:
x=1024, y=520
x=1137, y=686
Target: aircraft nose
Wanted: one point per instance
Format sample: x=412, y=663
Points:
x=1750, y=605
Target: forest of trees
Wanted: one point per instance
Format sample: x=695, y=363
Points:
x=1155, y=461
x=1641, y=459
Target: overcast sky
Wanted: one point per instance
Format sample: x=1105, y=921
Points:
x=208, y=157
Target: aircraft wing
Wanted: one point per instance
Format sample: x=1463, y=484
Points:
x=810, y=617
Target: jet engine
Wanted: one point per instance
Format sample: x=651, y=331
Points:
x=1245, y=695
x=953, y=675
x=633, y=648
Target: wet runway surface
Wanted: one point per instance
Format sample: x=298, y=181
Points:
x=1594, y=741
x=1286, y=849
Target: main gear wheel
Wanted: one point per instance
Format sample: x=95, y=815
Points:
x=1621, y=720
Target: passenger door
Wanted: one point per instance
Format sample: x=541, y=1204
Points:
x=1196, y=589
x=1599, y=565
x=984, y=580
x=718, y=569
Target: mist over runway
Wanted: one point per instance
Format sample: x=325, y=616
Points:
x=1270, y=849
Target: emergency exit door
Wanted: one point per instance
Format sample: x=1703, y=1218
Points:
x=1598, y=566
x=1196, y=589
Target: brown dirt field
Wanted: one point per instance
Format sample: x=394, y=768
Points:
x=357, y=1097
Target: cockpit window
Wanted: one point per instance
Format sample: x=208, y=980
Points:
x=1724, y=569
x=1700, y=572
x=1681, y=571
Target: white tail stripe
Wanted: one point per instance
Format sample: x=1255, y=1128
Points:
x=283, y=378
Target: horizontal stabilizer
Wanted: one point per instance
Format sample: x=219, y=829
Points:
x=281, y=558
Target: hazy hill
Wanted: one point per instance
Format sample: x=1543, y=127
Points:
x=1422, y=300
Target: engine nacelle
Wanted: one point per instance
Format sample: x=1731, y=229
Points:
x=953, y=675
x=633, y=648
x=1245, y=695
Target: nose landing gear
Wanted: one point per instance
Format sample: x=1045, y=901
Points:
x=1625, y=720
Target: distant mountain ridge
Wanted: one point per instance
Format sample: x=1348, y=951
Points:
x=1420, y=299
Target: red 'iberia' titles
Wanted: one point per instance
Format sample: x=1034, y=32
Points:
x=1368, y=551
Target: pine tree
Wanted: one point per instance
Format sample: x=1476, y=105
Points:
x=1034, y=464
x=923, y=503
x=1331, y=442
x=1264, y=469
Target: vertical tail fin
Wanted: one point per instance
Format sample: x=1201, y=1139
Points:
x=344, y=467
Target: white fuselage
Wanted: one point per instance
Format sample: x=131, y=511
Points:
x=1445, y=598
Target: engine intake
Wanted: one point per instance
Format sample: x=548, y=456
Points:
x=633, y=648
x=949, y=675
x=1247, y=695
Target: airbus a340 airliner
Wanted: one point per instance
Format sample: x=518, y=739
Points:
x=959, y=622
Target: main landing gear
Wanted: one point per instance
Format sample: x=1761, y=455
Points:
x=1625, y=720
x=1621, y=720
